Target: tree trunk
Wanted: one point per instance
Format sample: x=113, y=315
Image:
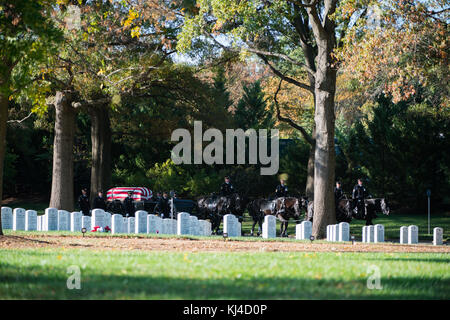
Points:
x=101, y=149
x=3, y=119
x=62, y=196
x=324, y=162
x=310, y=174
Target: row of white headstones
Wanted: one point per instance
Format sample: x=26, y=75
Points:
x=61, y=220
x=53, y=219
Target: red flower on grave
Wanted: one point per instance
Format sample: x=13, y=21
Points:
x=107, y=229
x=95, y=229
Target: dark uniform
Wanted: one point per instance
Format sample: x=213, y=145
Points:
x=163, y=207
x=338, y=194
x=99, y=203
x=226, y=189
x=358, y=195
x=129, y=206
x=83, y=203
x=281, y=191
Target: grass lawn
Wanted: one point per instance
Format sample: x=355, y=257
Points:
x=42, y=274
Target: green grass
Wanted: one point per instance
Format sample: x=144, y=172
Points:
x=42, y=274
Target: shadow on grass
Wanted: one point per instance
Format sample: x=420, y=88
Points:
x=38, y=282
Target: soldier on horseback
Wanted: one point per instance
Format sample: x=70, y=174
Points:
x=358, y=195
x=226, y=189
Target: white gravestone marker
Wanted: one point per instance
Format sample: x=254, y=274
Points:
x=298, y=232
x=343, y=231
x=125, y=225
x=75, y=221
x=116, y=223
x=379, y=233
x=63, y=220
x=98, y=218
x=19, y=219
x=239, y=228
x=50, y=219
x=364, y=234
x=404, y=235
x=166, y=226
x=140, y=222
x=269, y=227
x=230, y=225
x=335, y=232
x=131, y=224
x=329, y=233
x=306, y=229
x=437, y=236
x=30, y=220
x=39, y=223
x=193, y=226
x=154, y=224
x=108, y=221
x=183, y=222
x=7, y=218
x=371, y=234
x=86, y=222
x=413, y=234
x=205, y=228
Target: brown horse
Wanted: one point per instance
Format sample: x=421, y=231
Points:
x=286, y=208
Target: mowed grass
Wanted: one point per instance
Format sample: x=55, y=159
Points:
x=43, y=274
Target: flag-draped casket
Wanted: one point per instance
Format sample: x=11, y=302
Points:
x=120, y=193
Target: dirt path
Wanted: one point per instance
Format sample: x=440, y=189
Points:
x=196, y=245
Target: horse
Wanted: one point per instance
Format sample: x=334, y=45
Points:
x=286, y=208
x=215, y=207
x=346, y=210
x=258, y=209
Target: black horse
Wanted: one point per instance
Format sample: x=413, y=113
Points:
x=215, y=207
x=258, y=209
x=346, y=210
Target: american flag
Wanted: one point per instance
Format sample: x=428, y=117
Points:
x=120, y=193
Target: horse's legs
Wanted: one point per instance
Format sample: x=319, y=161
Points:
x=260, y=222
x=253, y=226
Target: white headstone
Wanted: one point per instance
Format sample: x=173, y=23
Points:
x=365, y=234
x=166, y=226
x=39, y=223
x=7, y=218
x=379, y=233
x=404, y=235
x=50, y=219
x=140, y=225
x=116, y=223
x=413, y=234
x=306, y=229
x=205, y=228
x=371, y=234
x=269, y=228
x=230, y=225
x=239, y=228
x=437, y=236
x=75, y=221
x=193, y=226
x=19, y=219
x=86, y=222
x=63, y=220
x=299, y=233
x=30, y=220
x=154, y=224
x=183, y=223
x=329, y=233
x=98, y=218
x=108, y=219
x=125, y=225
x=335, y=232
x=343, y=231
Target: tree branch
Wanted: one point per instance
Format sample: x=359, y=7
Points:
x=289, y=121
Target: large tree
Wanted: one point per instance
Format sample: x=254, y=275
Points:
x=287, y=35
x=26, y=34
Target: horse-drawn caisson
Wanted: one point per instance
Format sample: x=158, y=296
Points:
x=215, y=206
